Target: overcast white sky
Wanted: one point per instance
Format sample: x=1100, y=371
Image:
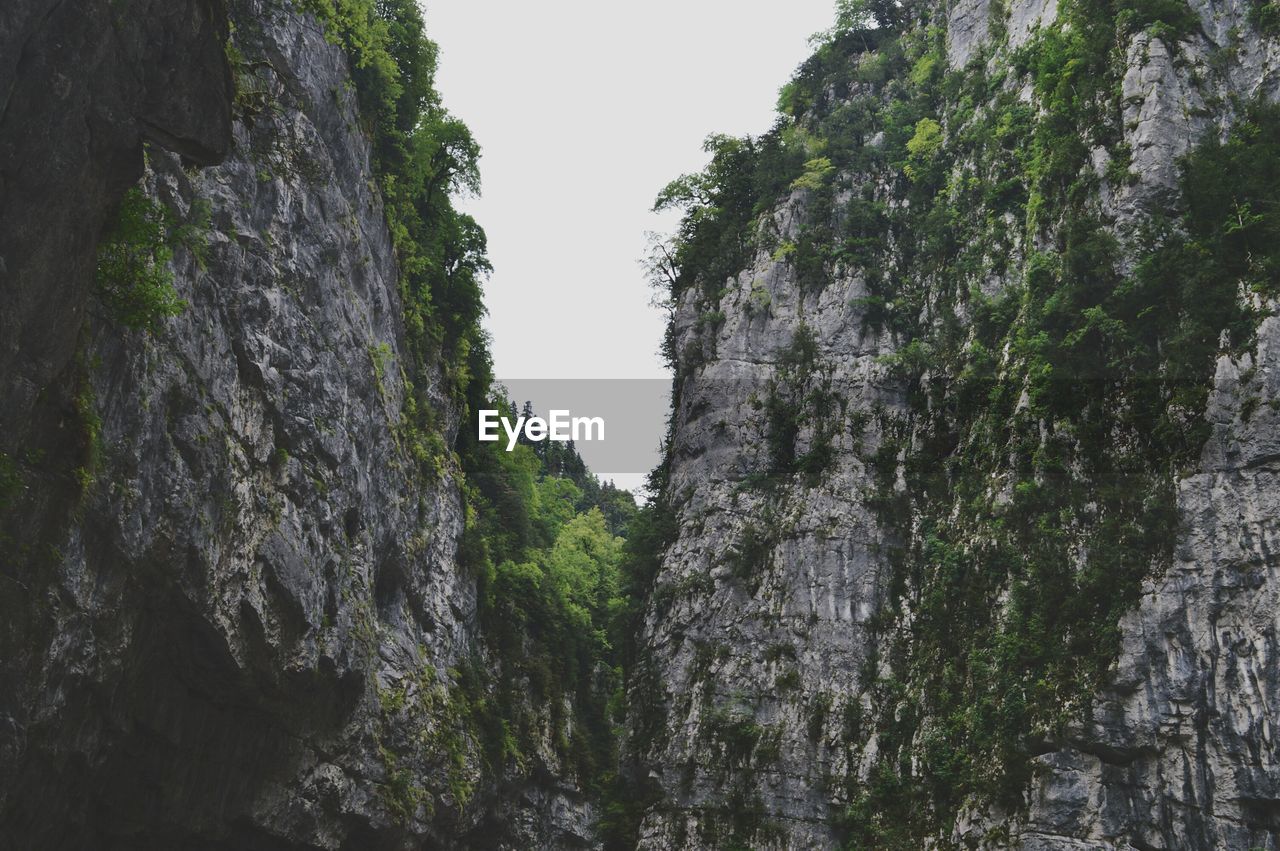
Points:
x=584, y=110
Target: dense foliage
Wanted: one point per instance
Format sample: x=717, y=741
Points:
x=1050, y=415
x=551, y=593
x=133, y=280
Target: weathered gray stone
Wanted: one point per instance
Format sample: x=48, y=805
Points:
x=198, y=649
x=1177, y=753
x=1028, y=16
x=968, y=26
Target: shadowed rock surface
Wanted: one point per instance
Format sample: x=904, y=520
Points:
x=233, y=614
x=202, y=630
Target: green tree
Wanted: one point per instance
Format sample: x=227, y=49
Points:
x=583, y=566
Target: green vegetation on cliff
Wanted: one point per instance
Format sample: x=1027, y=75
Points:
x=422, y=156
x=543, y=536
x=542, y=541
x=133, y=281
x=1056, y=367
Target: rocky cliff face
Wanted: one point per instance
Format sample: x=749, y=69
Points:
x=870, y=526
x=233, y=611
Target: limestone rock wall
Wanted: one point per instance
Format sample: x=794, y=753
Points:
x=762, y=628
x=232, y=611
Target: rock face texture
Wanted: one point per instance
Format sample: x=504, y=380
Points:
x=773, y=627
x=759, y=617
x=232, y=611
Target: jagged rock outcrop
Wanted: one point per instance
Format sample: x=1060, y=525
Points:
x=774, y=627
x=233, y=614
